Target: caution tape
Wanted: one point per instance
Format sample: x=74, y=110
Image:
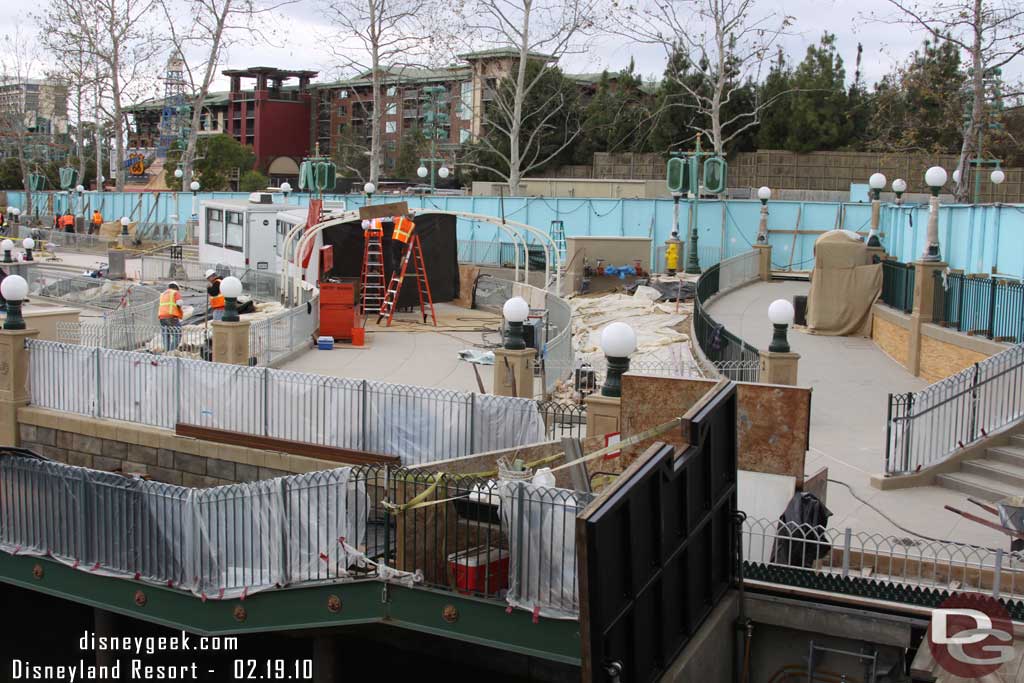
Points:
x=421, y=499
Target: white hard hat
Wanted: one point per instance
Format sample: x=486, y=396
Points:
x=366, y=224
x=210, y=273
x=174, y=284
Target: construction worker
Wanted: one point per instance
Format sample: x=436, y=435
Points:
x=97, y=221
x=216, y=305
x=170, y=316
x=67, y=222
x=400, y=237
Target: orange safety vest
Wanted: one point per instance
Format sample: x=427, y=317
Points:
x=67, y=221
x=97, y=217
x=217, y=301
x=403, y=229
x=375, y=229
x=170, y=304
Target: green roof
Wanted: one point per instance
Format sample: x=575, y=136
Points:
x=510, y=52
x=213, y=99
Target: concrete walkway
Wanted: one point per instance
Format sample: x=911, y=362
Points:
x=851, y=379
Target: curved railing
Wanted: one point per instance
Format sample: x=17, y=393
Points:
x=555, y=357
x=726, y=353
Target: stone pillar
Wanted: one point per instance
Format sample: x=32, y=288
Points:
x=13, y=381
x=604, y=415
x=932, y=251
x=515, y=379
x=779, y=367
x=764, y=261
x=924, y=299
x=230, y=342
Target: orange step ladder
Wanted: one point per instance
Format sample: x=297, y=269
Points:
x=372, y=277
x=413, y=252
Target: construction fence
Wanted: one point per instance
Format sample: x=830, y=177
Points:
x=418, y=424
x=812, y=171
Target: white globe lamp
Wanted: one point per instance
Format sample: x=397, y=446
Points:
x=14, y=289
x=516, y=311
x=231, y=288
x=781, y=315
x=618, y=341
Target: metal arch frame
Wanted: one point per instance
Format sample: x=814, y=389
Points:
x=511, y=228
x=298, y=231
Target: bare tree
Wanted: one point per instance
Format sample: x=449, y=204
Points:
x=80, y=73
x=378, y=38
x=211, y=27
x=20, y=102
x=727, y=44
x=539, y=32
x=991, y=35
x=117, y=35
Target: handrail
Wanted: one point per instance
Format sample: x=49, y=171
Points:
x=925, y=427
x=729, y=355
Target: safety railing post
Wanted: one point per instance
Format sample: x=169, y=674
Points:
x=472, y=423
x=888, y=436
x=973, y=434
x=997, y=574
x=991, y=327
x=363, y=417
x=847, y=538
x=97, y=410
x=266, y=401
x=177, y=390
x=907, y=429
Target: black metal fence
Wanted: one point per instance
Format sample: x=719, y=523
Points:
x=562, y=419
x=734, y=358
x=982, y=305
x=898, y=285
x=927, y=426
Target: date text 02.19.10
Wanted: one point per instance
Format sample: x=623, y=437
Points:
x=273, y=669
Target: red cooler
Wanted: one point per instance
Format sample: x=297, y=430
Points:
x=474, y=567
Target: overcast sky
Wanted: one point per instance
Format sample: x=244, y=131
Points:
x=885, y=44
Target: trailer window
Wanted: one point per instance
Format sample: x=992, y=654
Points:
x=233, y=238
x=214, y=227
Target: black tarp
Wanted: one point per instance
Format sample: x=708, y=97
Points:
x=440, y=255
x=801, y=536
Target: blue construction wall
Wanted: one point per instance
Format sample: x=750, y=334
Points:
x=974, y=238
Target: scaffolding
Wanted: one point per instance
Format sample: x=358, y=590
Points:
x=172, y=126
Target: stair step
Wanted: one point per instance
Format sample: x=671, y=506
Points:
x=978, y=486
x=1006, y=473
x=1011, y=455
x=1017, y=440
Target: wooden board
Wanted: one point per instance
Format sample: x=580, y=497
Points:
x=309, y=450
x=383, y=210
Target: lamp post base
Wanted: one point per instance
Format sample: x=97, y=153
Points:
x=612, y=386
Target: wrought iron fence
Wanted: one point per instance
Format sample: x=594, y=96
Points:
x=989, y=306
x=898, y=285
x=844, y=553
x=418, y=424
x=508, y=541
x=925, y=427
x=129, y=336
x=563, y=419
x=731, y=356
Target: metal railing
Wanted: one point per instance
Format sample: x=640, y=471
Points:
x=915, y=562
x=271, y=339
x=127, y=336
x=898, y=285
x=556, y=355
x=925, y=427
x=74, y=241
x=563, y=419
x=508, y=541
x=259, y=284
x=983, y=305
x=731, y=357
x=418, y=424
x=123, y=302
x=706, y=257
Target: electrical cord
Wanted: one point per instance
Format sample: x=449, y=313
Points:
x=903, y=528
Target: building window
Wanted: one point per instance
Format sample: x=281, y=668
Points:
x=466, y=101
x=390, y=126
x=341, y=129
x=342, y=110
x=392, y=145
x=464, y=136
x=391, y=91
x=343, y=94
x=214, y=227
x=234, y=235
x=391, y=109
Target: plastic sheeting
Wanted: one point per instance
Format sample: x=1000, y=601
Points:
x=540, y=523
x=220, y=542
x=418, y=424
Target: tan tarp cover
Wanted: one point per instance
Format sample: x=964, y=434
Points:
x=844, y=286
x=112, y=229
